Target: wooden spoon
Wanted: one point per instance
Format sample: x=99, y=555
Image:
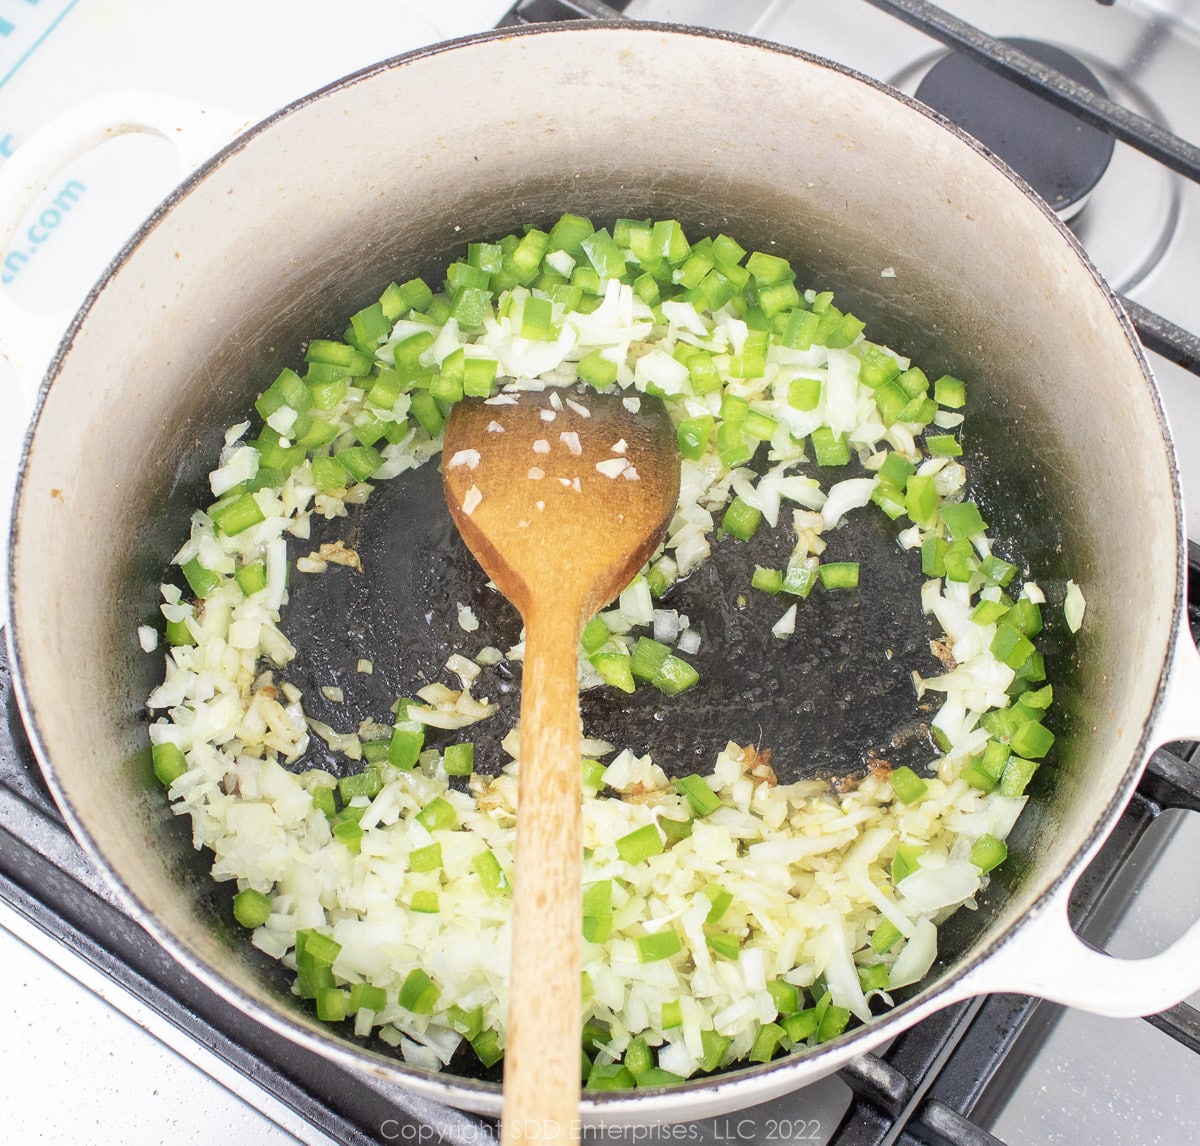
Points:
x=562, y=497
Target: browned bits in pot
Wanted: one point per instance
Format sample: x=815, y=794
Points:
x=642, y=794
x=941, y=648
x=879, y=769
x=330, y=553
x=758, y=761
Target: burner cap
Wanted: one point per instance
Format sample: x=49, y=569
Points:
x=1061, y=157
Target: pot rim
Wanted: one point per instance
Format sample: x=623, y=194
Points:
x=679, y=1102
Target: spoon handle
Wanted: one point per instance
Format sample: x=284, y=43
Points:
x=542, y=1052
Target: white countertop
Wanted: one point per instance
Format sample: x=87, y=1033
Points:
x=82, y=1060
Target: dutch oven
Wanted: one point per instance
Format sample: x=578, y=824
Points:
x=302, y=220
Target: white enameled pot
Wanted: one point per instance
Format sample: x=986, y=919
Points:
x=303, y=218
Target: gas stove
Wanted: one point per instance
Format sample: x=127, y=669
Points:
x=146, y=1051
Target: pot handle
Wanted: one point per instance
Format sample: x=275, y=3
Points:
x=1048, y=960
x=30, y=338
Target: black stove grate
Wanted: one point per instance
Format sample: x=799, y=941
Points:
x=1156, y=332
x=941, y=1082
x=1088, y=105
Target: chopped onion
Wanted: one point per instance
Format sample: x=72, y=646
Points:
x=1074, y=606
x=916, y=956
x=853, y=493
x=786, y=625
x=467, y=620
